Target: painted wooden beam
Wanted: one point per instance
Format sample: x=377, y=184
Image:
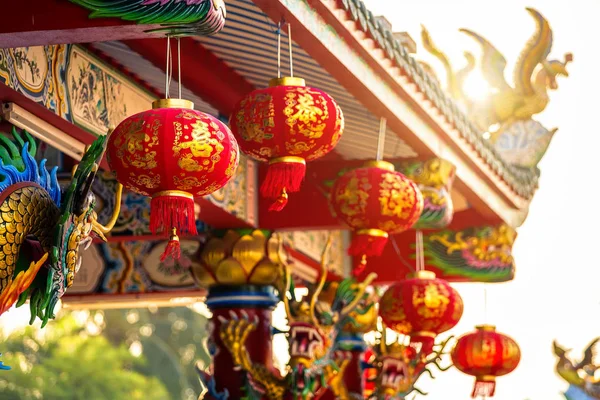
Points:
x=46, y=22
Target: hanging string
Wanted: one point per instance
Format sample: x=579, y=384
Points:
x=420, y=252
x=179, y=66
x=397, y=251
x=485, y=298
x=279, y=50
x=168, y=69
x=290, y=49
x=381, y=138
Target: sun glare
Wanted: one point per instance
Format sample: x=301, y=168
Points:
x=476, y=87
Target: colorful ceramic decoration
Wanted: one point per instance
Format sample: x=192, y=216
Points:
x=313, y=328
x=397, y=367
x=286, y=125
x=173, y=153
x=42, y=227
x=481, y=254
x=421, y=307
x=178, y=18
x=240, y=258
x=581, y=376
x=375, y=201
x=486, y=354
x=434, y=178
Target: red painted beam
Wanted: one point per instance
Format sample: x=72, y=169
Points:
x=46, y=22
x=202, y=72
x=9, y=95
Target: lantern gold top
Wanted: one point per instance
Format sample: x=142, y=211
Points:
x=486, y=328
x=424, y=275
x=380, y=164
x=287, y=81
x=173, y=103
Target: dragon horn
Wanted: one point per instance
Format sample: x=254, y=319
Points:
x=115, y=215
x=322, y=279
x=362, y=288
x=288, y=277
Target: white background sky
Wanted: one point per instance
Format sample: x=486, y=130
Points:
x=556, y=291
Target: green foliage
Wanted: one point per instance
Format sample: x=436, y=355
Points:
x=172, y=339
x=65, y=362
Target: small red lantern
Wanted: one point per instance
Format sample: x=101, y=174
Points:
x=421, y=307
x=375, y=201
x=286, y=125
x=172, y=153
x=486, y=354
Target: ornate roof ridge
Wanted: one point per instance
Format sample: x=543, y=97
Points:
x=522, y=181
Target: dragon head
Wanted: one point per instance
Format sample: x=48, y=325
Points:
x=77, y=226
x=554, y=68
x=315, y=322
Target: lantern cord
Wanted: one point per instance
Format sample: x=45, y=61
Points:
x=179, y=66
x=279, y=49
x=381, y=138
x=420, y=252
x=167, y=68
x=485, y=298
x=402, y=260
x=290, y=49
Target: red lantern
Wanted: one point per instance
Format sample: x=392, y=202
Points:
x=375, y=201
x=486, y=354
x=421, y=307
x=286, y=125
x=172, y=153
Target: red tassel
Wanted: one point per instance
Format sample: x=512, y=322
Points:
x=173, y=209
x=173, y=248
x=284, y=175
x=484, y=388
x=281, y=201
x=360, y=268
x=368, y=242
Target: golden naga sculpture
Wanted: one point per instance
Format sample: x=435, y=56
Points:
x=41, y=227
x=313, y=327
x=533, y=76
x=582, y=376
x=506, y=111
x=240, y=258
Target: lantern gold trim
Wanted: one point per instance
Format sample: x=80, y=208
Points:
x=486, y=328
x=173, y=103
x=380, y=164
x=372, y=232
x=423, y=275
x=287, y=159
x=174, y=193
x=423, y=334
x=287, y=81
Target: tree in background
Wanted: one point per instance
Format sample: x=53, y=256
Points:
x=67, y=361
x=172, y=341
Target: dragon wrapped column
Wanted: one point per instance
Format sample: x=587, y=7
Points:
x=254, y=303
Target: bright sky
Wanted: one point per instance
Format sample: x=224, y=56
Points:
x=556, y=291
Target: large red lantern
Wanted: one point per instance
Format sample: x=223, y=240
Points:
x=172, y=153
x=421, y=307
x=375, y=201
x=286, y=125
x=486, y=354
